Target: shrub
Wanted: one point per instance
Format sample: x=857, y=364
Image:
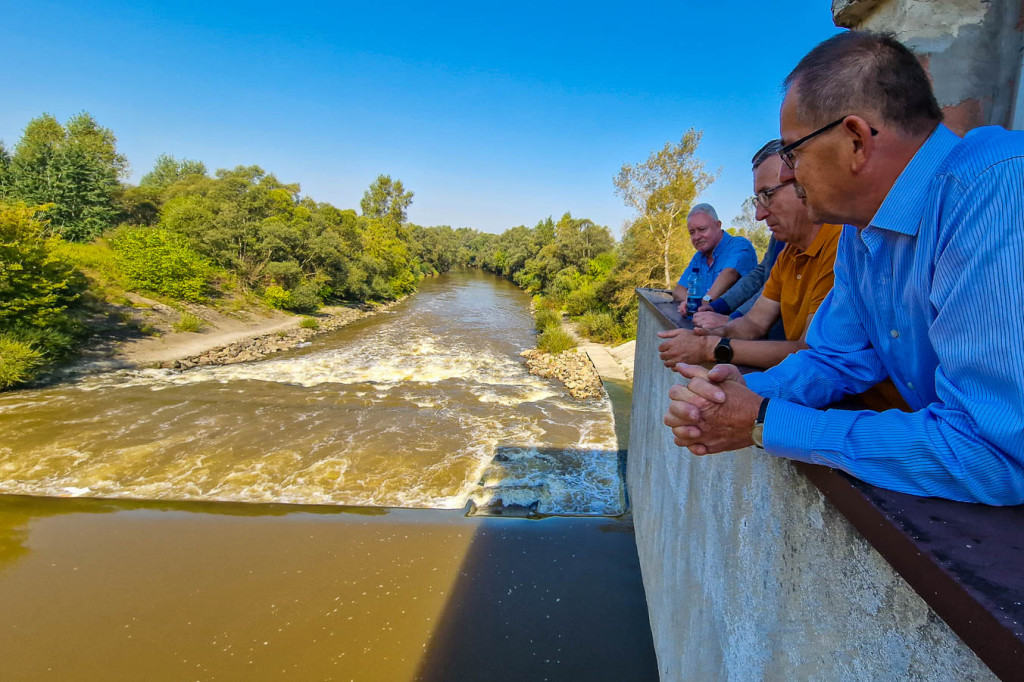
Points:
x=546, y=317
x=158, y=260
x=18, y=361
x=188, y=323
x=277, y=297
x=309, y=323
x=599, y=327
x=304, y=298
x=582, y=300
x=554, y=340
x=53, y=342
x=36, y=284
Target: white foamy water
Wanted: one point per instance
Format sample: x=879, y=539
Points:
x=426, y=407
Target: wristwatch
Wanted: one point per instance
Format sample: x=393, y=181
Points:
x=723, y=351
x=757, y=433
x=707, y=298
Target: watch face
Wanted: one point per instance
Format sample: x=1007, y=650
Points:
x=723, y=353
x=757, y=434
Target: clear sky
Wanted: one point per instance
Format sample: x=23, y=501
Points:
x=494, y=114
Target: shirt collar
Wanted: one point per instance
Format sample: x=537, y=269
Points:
x=905, y=203
x=726, y=238
x=819, y=240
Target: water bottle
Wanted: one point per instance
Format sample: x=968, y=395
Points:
x=694, y=292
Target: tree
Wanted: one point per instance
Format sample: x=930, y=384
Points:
x=5, y=170
x=386, y=199
x=168, y=170
x=746, y=225
x=661, y=191
x=36, y=285
x=76, y=168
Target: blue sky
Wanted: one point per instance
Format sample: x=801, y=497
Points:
x=495, y=115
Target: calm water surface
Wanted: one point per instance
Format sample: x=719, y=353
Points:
x=427, y=405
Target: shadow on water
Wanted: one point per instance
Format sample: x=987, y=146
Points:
x=556, y=599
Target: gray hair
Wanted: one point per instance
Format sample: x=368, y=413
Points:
x=858, y=71
x=707, y=209
x=770, y=149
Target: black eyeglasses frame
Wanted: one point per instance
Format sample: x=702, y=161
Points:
x=786, y=153
x=768, y=192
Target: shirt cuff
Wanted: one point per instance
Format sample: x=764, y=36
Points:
x=720, y=306
x=797, y=432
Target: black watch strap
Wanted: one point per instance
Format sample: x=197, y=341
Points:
x=757, y=432
x=723, y=351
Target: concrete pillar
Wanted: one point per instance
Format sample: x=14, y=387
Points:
x=971, y=48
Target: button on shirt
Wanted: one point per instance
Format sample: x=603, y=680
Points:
x=732, y=252
x=931, y=293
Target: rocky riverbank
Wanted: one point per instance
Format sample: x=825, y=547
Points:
x=257, y=347
x=572, y=367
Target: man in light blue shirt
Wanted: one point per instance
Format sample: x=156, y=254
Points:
x=929, y=290
x=721, y=258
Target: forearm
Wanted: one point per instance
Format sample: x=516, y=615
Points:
x=746, y=288
x=934, y=452
x=679, y=293
x=763, y=353
x=726, y=279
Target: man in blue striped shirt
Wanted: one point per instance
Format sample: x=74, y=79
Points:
x=928, y=291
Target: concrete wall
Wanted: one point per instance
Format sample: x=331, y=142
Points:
x=751, y=574
x=971, y=48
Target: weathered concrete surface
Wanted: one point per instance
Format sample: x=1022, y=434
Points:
x=971, y=49
x=751, y=574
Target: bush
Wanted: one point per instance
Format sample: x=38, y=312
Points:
x=277, y=297
x=599, y=327
x=309, y=323
x=304, y=298
x=53, y=342
x=36, y=284
x=582, y=300
x=554, y=340
x=188, y=323
x=18, y=361
x=546, y=317
x=161, y=261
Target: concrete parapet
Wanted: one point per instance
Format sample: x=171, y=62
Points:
x=750, y=573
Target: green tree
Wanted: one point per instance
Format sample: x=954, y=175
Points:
x=661, y=191
x=386, y=198
x=36, y=285
x=746, y=225
x=76, y=168
x=5, y=170
x=168, y=170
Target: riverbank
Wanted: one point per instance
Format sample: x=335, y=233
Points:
x=223, y=338
x=582, y=370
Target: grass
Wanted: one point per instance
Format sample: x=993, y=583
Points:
x=599, y=327
x=309, y=323
x=555, y=340
x=546, y=317
x=188, y=323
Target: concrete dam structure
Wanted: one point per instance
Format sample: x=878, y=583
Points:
x=755, y=568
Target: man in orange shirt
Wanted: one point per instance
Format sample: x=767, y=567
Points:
x=800, y=280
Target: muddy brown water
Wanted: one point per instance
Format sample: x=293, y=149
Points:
x=426, y=406
x=142, y=534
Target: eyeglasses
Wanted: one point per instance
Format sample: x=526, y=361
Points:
x=764, y=197
x=786, y=153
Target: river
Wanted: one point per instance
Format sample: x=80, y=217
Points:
x=425, y=406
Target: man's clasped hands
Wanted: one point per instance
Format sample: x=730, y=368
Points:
x=713, y=411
